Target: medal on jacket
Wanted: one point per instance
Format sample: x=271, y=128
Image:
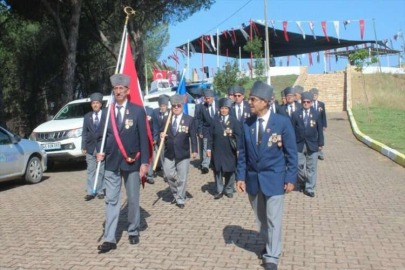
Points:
x=279, y=141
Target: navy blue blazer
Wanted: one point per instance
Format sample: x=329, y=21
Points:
x=90, y=134
x=246, y=111
x=198, y=118
x=322, y=111
x=157, y=123
x=273, y=164
x=284, y=109
x=206, y=119
x=224, y=158
x=134, y=137
x=312, y=135
x=177, y=147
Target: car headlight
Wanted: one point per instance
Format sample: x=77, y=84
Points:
x=33, y=136
x=75, y=133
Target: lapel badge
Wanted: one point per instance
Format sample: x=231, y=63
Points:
x=253, y=131
x=224, y=133
x=230, y=132
x=182, y=122
x=183, y=128
x=127, y=111
x=130, y=122
x=245, y=114
x=186, y=129
x=300, y=115
x=279, y=141
x=320, y=109
x=269, y=143
x=274, y=137
x=310, y=115
x=227, y=123
x=268, y=130
x=149, y=118
x=126, y=121
x=126, y=126
x=179, y=128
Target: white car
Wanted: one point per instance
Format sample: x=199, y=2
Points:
x=61, y=137
x=20, y=158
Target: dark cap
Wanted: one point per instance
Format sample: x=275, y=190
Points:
x=163, y=100
x=262, y=90
x=120, y=79
x=208, y=93
x=314, y=91
x=282, y=93
x=225, y=102
x=299, y=89
x=307, y=95
x=289, y=91
x=96, y=97
x=239, y=89
x=176, y=99
x=231, y=91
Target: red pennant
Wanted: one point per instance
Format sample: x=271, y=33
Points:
x=285, y=31
x=310, y=59
x=255, y=28
x=324, y=30
x=361, y=29
x=234, y=35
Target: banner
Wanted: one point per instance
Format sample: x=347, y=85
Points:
x=324, y=30
x=285, y=31
x=311, y=25
x=300, y=28
x=361, y=29
x=336, y=24
x=159, y=74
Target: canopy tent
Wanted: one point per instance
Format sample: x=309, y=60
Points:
x=231, y=40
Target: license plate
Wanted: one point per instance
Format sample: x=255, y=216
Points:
x=51, y=146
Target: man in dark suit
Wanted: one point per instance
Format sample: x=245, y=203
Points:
x=92, y=123
x=149, y=174
x=126, y=156
x=224, y=134
x=320, y=107
x=274, y=107
x=209, y=110
x=292, y=105
x=240, y=108
x=298, y=92
x=231, y=93
x=283, y=99
x=267, y=168
x=307, y=124
x=181, y=130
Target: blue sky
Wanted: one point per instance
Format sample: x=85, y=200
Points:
x=389, y=18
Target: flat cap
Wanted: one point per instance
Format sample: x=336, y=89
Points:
x=289, y=91
x=262, y=90
x=282, y=93
x=208, y=93
x=120, y=79
x=231, y=91
x=314, y=91
x=239, y=89
x=307, y=96
x=163, y=100
x=96, y=97
x=176, y=99
x=299, y=89
x=225, y=102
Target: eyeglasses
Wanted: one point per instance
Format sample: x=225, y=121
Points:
x=120, y=88
x=253, y=99
x=177, y=105
x=237, y=95
x=306, y=101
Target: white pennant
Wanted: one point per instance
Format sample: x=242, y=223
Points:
x=213, y=43
x=273, y=23
x=300, y=28
x=311, y=25
x=245, y=35
x=336, y=23
x=192, y=47
x=207, y=45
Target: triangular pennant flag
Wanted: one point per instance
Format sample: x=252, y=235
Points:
x=285, y=31
x=311, y=26
x=213, y=43
x=300, y=28
x=346, y=22
x=318, y=57
x=207, y=45
x=230, y=35
x=192, y=47
x=395, y=37
x=310, y=59
x=324, y=30
x=245, y=35
x=361, y=29
x=233, y=34
x=273, y=23
x=336, y=24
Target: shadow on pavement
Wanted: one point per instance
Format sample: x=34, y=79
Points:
x=67, y=166
x=18, y=183
x=242, y=238
x=210, y=187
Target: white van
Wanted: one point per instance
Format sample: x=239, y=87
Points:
x=61, y=137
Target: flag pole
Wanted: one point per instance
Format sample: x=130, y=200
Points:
x=129, y=11
x=188, y=60
x=162, y=142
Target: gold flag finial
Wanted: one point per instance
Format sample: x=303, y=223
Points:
x=129, y=11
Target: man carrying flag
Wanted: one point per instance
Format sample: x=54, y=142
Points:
x=126, y=156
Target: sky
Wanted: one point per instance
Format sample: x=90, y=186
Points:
x=389, y=16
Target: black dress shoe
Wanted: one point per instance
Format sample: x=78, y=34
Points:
x=180, y=205
x=89, y=197
x=261, y=254
x=100, y=196
x=321, y=157
x=133, y=239
x=204, y=170
x=107, y=246
x=270, y=266
x=309, y=194
x=229, y=195
x=218, y=196
x=150, y=181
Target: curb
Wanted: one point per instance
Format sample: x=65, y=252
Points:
x=393, y=154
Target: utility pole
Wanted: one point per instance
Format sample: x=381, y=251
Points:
x=268, y=44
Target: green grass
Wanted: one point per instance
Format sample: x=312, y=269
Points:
x=387, y=125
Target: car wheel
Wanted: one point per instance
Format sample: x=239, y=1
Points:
x=34, y=172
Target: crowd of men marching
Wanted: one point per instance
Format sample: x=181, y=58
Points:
x=256, y=146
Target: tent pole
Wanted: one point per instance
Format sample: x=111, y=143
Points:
x=324, y=62
x=378, y=52
x=267, y=44
x=240, y=59
x=188, y=60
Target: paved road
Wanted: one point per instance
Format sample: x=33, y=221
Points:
x=356, y=220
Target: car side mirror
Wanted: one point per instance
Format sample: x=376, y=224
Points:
x=16, y=139
x=50, y=117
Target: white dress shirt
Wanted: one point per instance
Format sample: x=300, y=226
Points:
x=177, y=120
x=266, y=119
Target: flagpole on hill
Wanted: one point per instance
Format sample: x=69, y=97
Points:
x=129, y=11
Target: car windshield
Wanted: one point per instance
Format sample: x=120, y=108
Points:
x=75, y=110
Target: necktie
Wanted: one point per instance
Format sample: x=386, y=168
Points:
x=260, y=133
x=119, y=117
x=239, y=112
x=289, y=110
x=211, y=111
x=306, y=118
x=174, y=125
x=96, y=121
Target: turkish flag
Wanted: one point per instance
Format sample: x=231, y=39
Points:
x=135, y=94
x=159, y=74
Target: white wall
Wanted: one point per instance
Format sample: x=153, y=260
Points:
x=369, y=70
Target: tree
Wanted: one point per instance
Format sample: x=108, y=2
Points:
x=359, y=60
x=255, y=47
